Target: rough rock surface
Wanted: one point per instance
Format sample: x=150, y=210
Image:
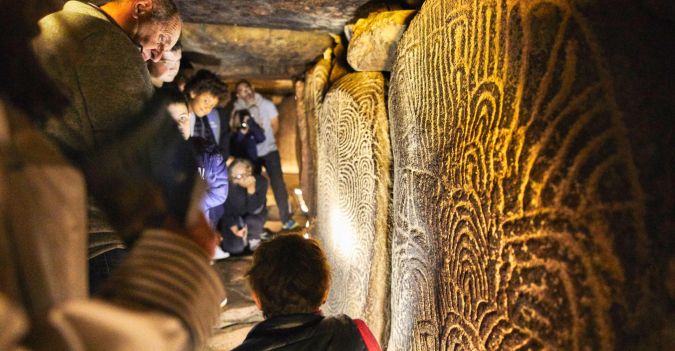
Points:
x=302, y=148
x=353, y=164
x=526, y=152
x=324, y=15
x=234, y=51
x=286, y=137
x=372, y=46
x=316, y=85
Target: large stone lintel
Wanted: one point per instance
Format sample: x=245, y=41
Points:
x=374, y=40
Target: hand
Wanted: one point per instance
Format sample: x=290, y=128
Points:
x=239, y=232
x=248, y=182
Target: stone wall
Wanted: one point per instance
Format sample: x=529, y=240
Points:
x=286, y=136
x=519, y=216
x=532, y=184
x=317, y=81
x=316, y=85
x=353, y=189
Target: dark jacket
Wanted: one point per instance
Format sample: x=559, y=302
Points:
x=244, y=145
x=304, y=332
x=225, y=132
x=239, y=203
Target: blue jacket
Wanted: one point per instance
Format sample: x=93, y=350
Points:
x=213, y=170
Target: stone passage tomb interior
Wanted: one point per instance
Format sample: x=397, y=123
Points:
x=481, y=174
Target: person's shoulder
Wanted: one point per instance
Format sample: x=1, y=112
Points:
x=76, y=20
x=267, y=102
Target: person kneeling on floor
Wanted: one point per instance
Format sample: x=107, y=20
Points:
x=245, y=210
x=290, y=280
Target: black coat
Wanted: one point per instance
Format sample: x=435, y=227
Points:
x=304, y=332
x=245, y=145
x=240, y=204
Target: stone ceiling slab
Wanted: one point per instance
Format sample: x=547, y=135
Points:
x=236, y=51
x=328, y=15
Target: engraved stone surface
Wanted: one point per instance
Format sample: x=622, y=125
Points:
x=518, y=213
x=354, y=162
x=372, y=46
x=302, y=147
x=316, y=85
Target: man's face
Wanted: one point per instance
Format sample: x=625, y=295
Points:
x=156, y=37
x=245, y=92
x=179, y=113
x=166, y=69
x=203, y=103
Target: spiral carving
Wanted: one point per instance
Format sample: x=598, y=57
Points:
x=315, y=87
x=518, y=219
x=354, y=161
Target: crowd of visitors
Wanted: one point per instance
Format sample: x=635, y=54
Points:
x=90, y=151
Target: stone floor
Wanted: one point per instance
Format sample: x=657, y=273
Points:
x=240, y=313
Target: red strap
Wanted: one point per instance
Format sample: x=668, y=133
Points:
x=367, y=336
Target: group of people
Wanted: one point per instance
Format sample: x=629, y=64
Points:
x=232, y=150
x=85, y=152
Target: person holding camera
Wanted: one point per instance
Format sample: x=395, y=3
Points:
x=247, y=136
x=267, y=116
x=245, y=210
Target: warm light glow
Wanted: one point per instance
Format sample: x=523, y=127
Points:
x=306, y=235
x=301, y=200
x=342, y=234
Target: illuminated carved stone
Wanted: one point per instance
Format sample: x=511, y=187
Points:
x=373, y=43
x=303, y=151
x=518, y=217
x=353, y=187
x=316, y=84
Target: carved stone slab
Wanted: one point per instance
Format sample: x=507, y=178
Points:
x=316, y=85
x=517, y=212
x=354, y=162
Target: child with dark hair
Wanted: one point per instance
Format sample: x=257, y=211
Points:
x=290, y=279
x=204, y=91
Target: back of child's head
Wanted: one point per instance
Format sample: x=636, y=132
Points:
x=290, y=274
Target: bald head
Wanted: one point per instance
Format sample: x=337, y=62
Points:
x=153, y=24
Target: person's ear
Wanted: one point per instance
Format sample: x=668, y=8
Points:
x=256, y=299
x=141, y=8
x=193, y=95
